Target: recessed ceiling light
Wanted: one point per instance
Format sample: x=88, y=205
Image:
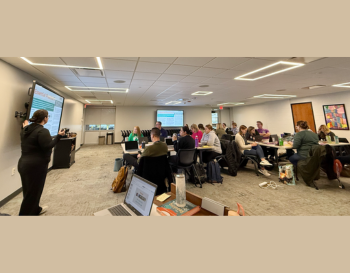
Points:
x=102, y=100
x=272, y=96
x=289, y=65
x=313, y=87
x=230, y=103
x=87, y=101
x=346, y=84
x=173, y=102
x=67, y=66
x=202, y=93
x=120, y=81
x=97, y=89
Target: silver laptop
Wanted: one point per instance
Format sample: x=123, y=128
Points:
x=138, y=200
x=131, y=146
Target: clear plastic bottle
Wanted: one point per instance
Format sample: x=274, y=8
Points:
x=180, y=189
x=196, y=141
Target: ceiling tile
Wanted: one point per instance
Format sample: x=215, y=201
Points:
x=118, y=74
x=83, y=93
x=53, y=71
x=230, y=74
x=168, y=77
x=181, y=69
x=275, y=59
x=162, y=83
x=253, y=64
x=194, y=61
x=112, y=81
x=123, y=58
x=146, y=76
x=94, y=84
x=92, y=80
x=123, y=65
x=151, y=67
x=207, y=72
x=81, y=61
x=118, y=85
x=185, y=84
x=226, y=62
x=142, y=82
x=217, y=80
x=70, y=83
x=194, y=79
x=45, y=60
x=66, y=78
x=165, y=60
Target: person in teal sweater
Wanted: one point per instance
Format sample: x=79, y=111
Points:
x=135, y=135
x=303, y=141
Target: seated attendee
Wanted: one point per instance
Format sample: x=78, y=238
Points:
x=263, y=132
x=210, y=139
x=226, y=129
x=184, y=142
x=303, y=141
x=156, y=149
x=196, y=132
x=163, y=132
x=136, y=134
x=251, y=133
x=251, y=149
x=219, y=130
x=324, y=131
x=234, y=128
x=201, y=127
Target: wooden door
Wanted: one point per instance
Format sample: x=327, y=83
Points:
x=303, y=111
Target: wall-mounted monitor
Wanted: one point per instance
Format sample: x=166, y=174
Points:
x=44, y=98
x=171, y=118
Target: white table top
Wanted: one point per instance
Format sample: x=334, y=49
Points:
x=170, y=148
x=290, y=147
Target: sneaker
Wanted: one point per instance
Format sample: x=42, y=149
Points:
x=266, y=173
x=43, y=210
x=265, y=163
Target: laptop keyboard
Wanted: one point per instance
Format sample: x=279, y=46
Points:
x=119, y=211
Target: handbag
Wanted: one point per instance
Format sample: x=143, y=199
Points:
x=118, y=163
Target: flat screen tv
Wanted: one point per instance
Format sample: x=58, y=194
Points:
x=171, y=118
x=42, y=97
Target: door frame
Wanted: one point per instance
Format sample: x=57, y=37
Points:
x=312, y=109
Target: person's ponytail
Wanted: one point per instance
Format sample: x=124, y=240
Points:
x=39, y=116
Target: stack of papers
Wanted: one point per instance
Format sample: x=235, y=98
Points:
x=163, y=197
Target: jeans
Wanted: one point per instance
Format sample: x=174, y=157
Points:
x=257, y=151
x=295, y=158
x=131, y=160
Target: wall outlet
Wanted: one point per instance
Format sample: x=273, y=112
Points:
x=13, y=171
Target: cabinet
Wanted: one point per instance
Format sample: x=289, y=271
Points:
x=64, y=153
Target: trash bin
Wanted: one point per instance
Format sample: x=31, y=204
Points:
x=101, y=140
x=109, y=138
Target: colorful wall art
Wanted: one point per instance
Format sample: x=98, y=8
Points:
x=335, y=116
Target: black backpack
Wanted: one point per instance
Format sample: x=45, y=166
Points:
x=214, y=174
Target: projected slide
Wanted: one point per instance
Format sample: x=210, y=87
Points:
x=170, y=118
x=53, y=103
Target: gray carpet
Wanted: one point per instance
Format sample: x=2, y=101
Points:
x=85, y=188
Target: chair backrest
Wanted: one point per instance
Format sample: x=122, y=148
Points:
x=155, y=170
x=227, y=137
x=186, y=157
x=343, y=139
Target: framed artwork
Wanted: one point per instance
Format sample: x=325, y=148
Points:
x=335, y=116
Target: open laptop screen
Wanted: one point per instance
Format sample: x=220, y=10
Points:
x=131, y=145
x=140, y=195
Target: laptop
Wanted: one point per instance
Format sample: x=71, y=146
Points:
x=131, y=146
x=145, y=139
x=138, y=200
x=274, y=137
x=169, y=141
x=258, y=138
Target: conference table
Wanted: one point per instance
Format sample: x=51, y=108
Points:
x=170, y=149
x=288, y=147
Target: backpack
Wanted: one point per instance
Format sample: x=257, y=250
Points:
x=213, y=174
x=201, y=172
x=119, y=181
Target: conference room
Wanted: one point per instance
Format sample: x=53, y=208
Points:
x=249, y=136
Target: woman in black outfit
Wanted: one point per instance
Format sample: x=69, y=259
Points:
x=36, y=144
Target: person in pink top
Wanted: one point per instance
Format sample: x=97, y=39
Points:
x=196, y=132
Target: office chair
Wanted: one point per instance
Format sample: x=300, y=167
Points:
x=252, y=158
x=186, y=159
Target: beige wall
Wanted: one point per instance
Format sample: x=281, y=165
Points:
x=145, y=117
x=14, y=85
x=277, y=115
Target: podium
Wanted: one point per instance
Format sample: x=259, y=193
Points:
x=64, y=153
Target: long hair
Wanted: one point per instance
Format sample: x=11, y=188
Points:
x=138, y=131
x=242, y=127
x=218, y=126
x=324, y=129
x=39, y=116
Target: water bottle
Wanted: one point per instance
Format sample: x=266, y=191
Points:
x=281, y=141
x=196, y=141
x=180, y=189
x=143, y=144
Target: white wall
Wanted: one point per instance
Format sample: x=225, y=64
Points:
x=145, y=117
x=277, y=115
x=225, y=116
x=14, y=85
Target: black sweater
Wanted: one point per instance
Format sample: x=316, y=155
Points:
x=37, y=143
x=186, y=142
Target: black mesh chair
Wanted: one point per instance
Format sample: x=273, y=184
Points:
x=227, y=137
x=186, y=159
x=252, y=158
